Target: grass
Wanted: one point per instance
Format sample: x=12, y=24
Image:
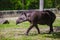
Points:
x=6, y=32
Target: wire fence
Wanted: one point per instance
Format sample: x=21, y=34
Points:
x=16, y=13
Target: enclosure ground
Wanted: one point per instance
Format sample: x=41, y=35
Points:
x=17, y=32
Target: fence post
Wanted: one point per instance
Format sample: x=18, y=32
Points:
x=41, y=5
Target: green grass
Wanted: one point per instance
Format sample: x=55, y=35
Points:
x=15, y=35
x=57, y=22
x=33, y=37
x=26, y=24
x=12, y=24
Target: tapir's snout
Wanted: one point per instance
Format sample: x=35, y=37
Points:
x=21, y=19
x=17, y=22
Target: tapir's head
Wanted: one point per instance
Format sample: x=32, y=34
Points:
x=22, y=18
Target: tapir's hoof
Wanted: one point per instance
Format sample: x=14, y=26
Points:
x=26, y=34
x=50, y=32
x=39, y=33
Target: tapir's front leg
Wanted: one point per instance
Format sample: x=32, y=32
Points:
x=31, y=26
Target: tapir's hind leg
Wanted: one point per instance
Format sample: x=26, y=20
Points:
x=51, y=28
x=51, y=24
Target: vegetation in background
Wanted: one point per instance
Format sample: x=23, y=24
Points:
x=27, y=4
x=57, y=2
x=49, y=3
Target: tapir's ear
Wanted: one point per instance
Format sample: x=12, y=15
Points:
x=25, y=14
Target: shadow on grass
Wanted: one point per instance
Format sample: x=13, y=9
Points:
x=30, y=34
x=54, y=35
x=33, y=34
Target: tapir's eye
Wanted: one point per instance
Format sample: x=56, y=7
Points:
x=21, y=18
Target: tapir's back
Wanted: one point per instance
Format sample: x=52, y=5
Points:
x=42, y=17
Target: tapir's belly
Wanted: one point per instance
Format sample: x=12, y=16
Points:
x=44, y=22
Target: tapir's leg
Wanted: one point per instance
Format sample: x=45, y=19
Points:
x=51, y=28
x=36, y=26
x=31, y=26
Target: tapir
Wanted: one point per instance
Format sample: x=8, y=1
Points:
x=45, y=17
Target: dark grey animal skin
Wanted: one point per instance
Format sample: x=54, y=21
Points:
x=38, y=17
